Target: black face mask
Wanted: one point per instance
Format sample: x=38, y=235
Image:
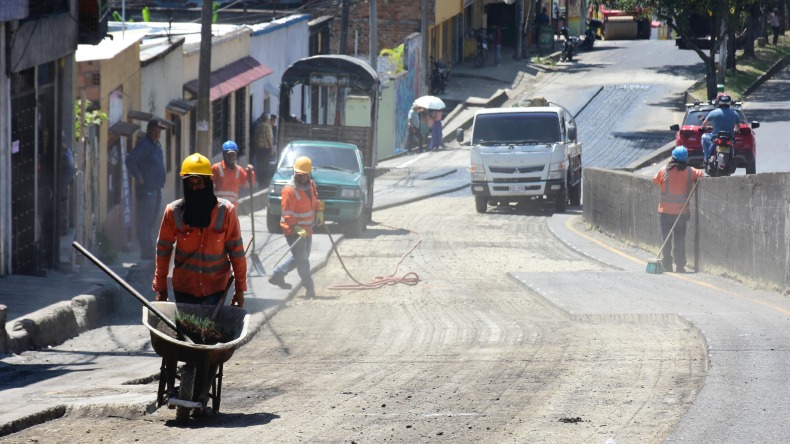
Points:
x=198, y=204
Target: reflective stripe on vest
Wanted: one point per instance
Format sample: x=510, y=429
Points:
x=668, y=197
x=305, y=219
x=232, y=196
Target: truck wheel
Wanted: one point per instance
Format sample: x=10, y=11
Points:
x=185, y=392
x=481, y=204
x=575, y=194
x=561, y=202
x=273, y=224
x=357, y=226
x=751, y=168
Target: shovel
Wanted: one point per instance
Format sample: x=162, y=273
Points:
x=228, y=285
x=256, y=261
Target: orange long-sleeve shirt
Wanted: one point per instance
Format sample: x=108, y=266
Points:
x=228, y=181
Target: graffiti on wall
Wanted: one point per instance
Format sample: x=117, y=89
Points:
x=407, y=88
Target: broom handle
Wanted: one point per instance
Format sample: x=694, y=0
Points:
x=230, y=282
x=691, y=193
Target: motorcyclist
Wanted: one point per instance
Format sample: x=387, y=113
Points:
x=722, y=118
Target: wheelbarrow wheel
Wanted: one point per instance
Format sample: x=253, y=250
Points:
x=185, y=391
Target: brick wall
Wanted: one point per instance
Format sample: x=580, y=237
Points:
x=397, y=19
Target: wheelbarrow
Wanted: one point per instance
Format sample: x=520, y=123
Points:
x=200, y=378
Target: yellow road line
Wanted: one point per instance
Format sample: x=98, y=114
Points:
x=766, y=304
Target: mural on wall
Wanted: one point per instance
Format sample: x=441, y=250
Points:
x=407, y=88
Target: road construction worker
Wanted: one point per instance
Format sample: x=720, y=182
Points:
x=229, y=177
x=301, y=209
x=205, y=233
x=676, y=181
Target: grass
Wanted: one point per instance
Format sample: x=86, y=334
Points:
x=749, y=69
x=200, y=330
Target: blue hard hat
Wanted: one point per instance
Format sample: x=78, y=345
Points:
x=680, y=153
x=229, y=146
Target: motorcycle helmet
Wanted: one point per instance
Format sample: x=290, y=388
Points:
x=564, y=31
x=725, y=100
x=680, y=153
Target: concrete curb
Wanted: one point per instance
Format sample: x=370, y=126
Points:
x=776, y=67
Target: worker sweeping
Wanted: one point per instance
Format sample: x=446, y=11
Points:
x=301, y=209
x=228, y=176
x=676, y=181
x=205, y=234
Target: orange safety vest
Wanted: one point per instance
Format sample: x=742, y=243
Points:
x=227, y=182
x=298, y=207
x=203, y=256
x=675, y=188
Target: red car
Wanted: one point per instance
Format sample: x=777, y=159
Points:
x=689, y=136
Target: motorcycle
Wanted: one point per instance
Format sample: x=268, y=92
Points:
x=440, y=77
x=568, y=46
x=590, y=34
x=721, y=162
x=482, y=48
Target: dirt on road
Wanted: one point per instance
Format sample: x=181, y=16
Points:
x=467, y=355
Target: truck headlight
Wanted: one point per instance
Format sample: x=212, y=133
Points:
x=277, y=189
x=556, y=170
x=350, y=193
x=478, y=173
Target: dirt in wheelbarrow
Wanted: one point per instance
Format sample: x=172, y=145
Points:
x=201, y=330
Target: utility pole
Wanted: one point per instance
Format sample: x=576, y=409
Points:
x=374, y=44
x=519, y=28
x=424, y=56
x=203, y=138
x=344, y=28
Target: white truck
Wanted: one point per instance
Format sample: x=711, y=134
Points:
x=523, y=153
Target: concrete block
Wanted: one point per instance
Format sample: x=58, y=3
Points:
x=49, y=326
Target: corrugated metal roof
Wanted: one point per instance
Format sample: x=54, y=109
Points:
x=231, y=77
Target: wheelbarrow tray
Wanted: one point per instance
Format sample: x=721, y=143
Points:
x=232, y=319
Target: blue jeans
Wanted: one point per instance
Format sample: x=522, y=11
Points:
x=707, y=143
x=146, y=215
x=498, y=53
x=299, y=259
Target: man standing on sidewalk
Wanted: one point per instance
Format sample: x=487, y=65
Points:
x=497, y=45
x=146, y=163
x=676, y=181
x=264, y=144
x=300, y=210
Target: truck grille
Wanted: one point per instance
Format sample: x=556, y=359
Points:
x=517, y=180
x=327, y=191
x=517, y=170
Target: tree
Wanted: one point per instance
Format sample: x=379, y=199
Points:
x=683, y=16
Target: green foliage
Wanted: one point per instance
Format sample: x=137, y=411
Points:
x=92, y=117
x=214, y=16
x=146, y=14
x=395, y=57
x=200, y=330
x=117, y=17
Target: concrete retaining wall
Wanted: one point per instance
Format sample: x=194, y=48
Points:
x=739, y=226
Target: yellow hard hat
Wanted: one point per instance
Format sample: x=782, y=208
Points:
x=303, y=164
x=196, y=164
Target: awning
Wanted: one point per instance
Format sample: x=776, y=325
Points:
x=232, y=77
x=124, y=128
x=180, y=106
x=145, y=117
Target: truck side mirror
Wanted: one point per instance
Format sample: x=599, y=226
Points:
x=459, y=135
x=675, y=127
x=755, y=124
x=572, y=133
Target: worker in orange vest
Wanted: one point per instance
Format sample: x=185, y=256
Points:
x=676, y=181
x=205, y=234
x=229, y=177
x=301, y=209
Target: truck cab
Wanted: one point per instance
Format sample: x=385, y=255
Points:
x=525, y=153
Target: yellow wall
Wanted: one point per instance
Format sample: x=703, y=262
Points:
x=446, y=9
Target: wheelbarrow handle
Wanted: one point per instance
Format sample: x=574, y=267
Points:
x=131, y=290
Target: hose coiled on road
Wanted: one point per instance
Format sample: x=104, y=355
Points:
x=410, y=278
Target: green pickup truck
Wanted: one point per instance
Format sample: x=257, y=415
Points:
x=339, y=175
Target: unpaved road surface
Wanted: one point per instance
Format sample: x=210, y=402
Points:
x=466, y=355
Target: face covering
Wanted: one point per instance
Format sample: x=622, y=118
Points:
x=198, y=204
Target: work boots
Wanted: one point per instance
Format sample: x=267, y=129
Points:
x=310, y=294
x=279, y=280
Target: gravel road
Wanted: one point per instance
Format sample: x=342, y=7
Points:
x=466, y=355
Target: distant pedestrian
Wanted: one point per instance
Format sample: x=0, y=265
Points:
x=497, y=45
x=415, y=132
x=676, y=181
x=263, y=141
x=228, y=176
x=435, y=120
x=541, y=20
x=775, y=24
x=146, y=163
x=301, y=210
x=273, y=123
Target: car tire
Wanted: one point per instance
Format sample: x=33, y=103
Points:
x=561, y=201
x=751, y=167
x=356, y=226
x=481, y=204
x=273, y=224
x=575, y=194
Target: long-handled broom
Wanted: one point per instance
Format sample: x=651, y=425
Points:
x=654, y=266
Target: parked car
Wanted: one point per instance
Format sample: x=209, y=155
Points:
x=339, y=176
x=689, y=136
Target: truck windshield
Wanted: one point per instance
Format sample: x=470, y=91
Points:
x=517, y=127
x=322, y=156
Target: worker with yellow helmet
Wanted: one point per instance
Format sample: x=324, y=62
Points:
x=301, y=210
x=204, y=232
